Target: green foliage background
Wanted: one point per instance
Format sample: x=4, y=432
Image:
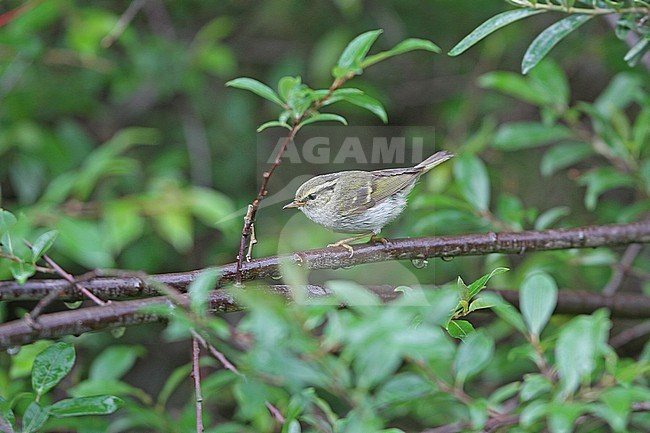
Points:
x=138, y=155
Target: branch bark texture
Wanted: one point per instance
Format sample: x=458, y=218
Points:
x=334, y=258
x=135, y=312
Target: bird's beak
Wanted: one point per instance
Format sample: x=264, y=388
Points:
x=294, y=204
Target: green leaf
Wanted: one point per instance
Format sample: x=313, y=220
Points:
x=354, y=54
x=85, y=241
x=564, y=155
x=491, y=25
x=7, y=220
x=199, y=290
x=640, y=131
x=479, y=304
x=549, y=217
x=52, y=365
x=534, y=386
x=175, y=225
x=114, y=362
x=405, y=46
x=460, y=328
x=473, y=355
x=601, y=180
x=505, y=392
x=546, y=40
x=43, y=243
x=636, y=53
x=624, y=88
x=578, y=345
x=479, y=284
x=178, y=376
x=336, y=95
x=523, y=135
x=533, y=413
x=352, y=294
x=513, y=85
x=286, y=85
x=123, y=223
x=106, y=160
x=92, y=387
x=324, y=117
x=403, y=387
x=7, y=417
x=472, y=178
x=272, y=123
x=367, y=102
x=21, y=271
x=96, y=405
x=256, y=87
x=538, y=300
x=506, y=311
x=35, y=417
x=549, y=79
x=562, y=416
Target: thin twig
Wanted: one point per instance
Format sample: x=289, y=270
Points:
x=32, y=317
x=217, y=354
x=276, y=413
x=196, y=376
x=122, y=23
x=624, y=337
x=249, y=220
x=621, y=268
x=70, y=279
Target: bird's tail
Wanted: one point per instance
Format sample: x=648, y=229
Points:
x=435, y=159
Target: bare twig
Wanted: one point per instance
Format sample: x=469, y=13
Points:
x=276, y=413
x=621, y=268
x=249, y=220
x=122, y=23
x=217, y=354
x=624, y=337
x=32, y=317
x=71, y=280
x=196, y=376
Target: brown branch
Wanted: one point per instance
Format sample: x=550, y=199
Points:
x=335, y=258
x=129, y=313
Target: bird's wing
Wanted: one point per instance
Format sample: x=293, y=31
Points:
x=379, y=186
x=388, y=182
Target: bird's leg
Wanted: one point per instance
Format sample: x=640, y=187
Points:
x=344, y=242
x=375, y=238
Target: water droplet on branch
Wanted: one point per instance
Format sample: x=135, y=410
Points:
x=419, y=263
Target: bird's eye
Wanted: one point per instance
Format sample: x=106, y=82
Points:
x=311, y=196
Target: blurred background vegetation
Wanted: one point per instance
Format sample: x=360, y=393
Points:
x=125, y=139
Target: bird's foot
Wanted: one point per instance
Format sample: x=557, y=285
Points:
x=344, y=242
x=375, y=239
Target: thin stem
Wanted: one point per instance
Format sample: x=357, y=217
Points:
x=249, y=220
x=586, y=11
x=196, y=376
x=621, y=268
x=540, y=359
x=276, y=413
x=217, y=354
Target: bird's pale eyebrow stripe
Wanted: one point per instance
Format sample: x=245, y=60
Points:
x=327, y=185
